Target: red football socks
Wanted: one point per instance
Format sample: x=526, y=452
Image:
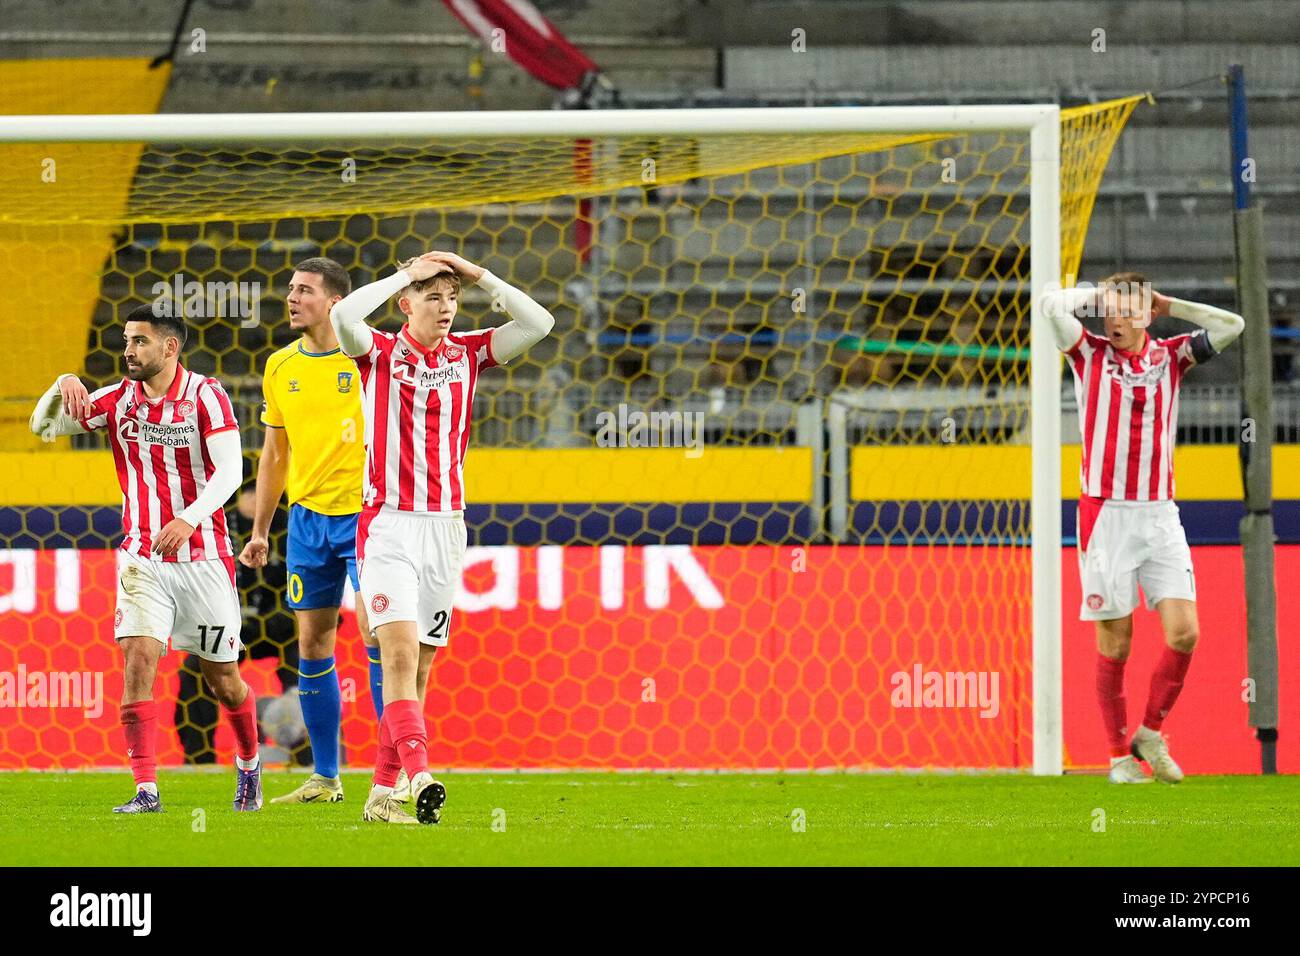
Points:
x=244, y=721
x=1166, y=684
x=406, y=728
x=140, y=721
x=387, y=763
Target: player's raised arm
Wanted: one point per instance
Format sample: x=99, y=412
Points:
x=529, y=322
x=61, y=410
x=1060, y=307
x=348, y=317
x=1221, y=326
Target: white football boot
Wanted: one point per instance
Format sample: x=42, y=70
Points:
x=1149, y=745
x=1127, y=770
x=382, y=808
x=429, y=796
x=402, y=789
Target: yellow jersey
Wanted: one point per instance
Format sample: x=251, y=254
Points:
x=316, y=398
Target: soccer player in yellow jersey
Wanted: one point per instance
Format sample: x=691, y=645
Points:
x=315, y=444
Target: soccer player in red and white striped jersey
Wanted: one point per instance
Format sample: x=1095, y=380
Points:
x=418, y=395
x=1129, y=531
x=176, y=445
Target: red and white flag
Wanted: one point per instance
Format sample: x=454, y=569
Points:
x=516, y=28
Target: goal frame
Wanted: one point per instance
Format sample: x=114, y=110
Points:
x=1040, y=121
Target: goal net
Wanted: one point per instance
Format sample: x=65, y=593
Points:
x=761, y=500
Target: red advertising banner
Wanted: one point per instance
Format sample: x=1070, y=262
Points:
x=713, y=657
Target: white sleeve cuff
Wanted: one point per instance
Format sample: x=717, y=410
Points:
x=350, y=313
x=1221, y=326
x=529, y=321
x=225, y=451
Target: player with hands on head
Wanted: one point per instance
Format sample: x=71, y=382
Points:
x=1129, y=531
x=418, y=394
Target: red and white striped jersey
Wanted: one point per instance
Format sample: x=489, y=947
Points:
x=160, y=448
x=1128, y=412
x=417, y=404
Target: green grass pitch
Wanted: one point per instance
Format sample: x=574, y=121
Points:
x=668, y=819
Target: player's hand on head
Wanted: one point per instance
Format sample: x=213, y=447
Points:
x=255, y=553
x=76, y=400
x=425, y=266
x=458, y=264
x=1159, y=304
x=175, y=533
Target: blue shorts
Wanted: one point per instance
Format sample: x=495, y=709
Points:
x=322, y=551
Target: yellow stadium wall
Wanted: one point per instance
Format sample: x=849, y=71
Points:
x=562, y=476
x=45, y=318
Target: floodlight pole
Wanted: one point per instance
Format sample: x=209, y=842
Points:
x=1255, y=445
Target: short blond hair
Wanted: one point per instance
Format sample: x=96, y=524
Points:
x=451, y=278
x=1127, y=286
x=1125, y=281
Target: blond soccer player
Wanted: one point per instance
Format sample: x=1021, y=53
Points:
x=1130, y=534
x=418, y=390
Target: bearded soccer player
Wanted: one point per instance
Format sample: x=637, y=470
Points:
x=175, y=442
x=1129, y=530
x=313, y=445
x=418, y=393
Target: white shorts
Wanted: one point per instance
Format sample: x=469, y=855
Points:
x=192, y=602
x=410, y=567
x=1131, y=543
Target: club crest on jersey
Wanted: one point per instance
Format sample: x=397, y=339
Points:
x=345, y=381
x=1157, y=361
x=185, y=408
x=453, y=353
